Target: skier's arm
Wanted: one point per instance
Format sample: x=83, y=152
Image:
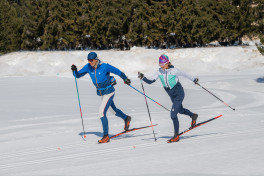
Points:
x=116, y=71
x=152, y=79
x=184, y=74
x=82, y=72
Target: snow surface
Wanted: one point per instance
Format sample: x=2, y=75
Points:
x=41, y=130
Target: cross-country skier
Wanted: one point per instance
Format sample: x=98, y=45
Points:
x=100, y=75
x=169, y=77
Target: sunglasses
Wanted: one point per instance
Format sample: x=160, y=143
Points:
x=91, y=60
x=163, y=64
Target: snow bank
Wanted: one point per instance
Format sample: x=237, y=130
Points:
x=193, y=60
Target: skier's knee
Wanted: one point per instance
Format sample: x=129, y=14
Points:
x=101, y=113
x=173, y=115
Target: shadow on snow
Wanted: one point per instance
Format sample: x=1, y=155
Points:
x=260, y=80
x=99, y=134
x=186, y=137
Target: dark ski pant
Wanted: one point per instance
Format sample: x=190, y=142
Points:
x=108, y=101
x=177, y=99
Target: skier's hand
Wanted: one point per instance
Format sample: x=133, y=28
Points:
x=127, y=81
x=140, y=75
x=73, y=68
x=113, y=83
x=195, y=80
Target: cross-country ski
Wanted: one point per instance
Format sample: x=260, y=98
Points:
x=195, y=126
x=130, y=130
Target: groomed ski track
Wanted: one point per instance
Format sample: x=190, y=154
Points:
x=41, y=129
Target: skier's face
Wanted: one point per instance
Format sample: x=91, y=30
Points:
x=92, y=62
x=166, y=66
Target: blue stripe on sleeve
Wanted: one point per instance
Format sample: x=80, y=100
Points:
x=146, y=80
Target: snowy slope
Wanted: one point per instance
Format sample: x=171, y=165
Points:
x=194, y=60
x=40, y=129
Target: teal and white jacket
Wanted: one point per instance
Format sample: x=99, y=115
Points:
x=168, y=77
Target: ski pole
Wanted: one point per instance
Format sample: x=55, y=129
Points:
x=80, y=106
x=148, y=111
x=149, y=97
x=216, y=96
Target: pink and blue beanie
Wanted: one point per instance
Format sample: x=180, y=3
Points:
x=163, y=60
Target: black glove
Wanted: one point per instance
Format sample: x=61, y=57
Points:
x=73, y=68
x=140, y=75
x=195, y=80
x=127, y=81
x=113, y=82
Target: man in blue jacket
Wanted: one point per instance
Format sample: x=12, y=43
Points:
x=100, y=75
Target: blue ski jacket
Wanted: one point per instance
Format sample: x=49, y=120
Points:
x=101, y=76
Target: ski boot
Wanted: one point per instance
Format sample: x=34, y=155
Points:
x=105, y=139
x=127, y=123
x=194, y=118
x=175, y=138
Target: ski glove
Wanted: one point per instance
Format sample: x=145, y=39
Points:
x=73, y=68
x=127, y=81
x=140, y=75
x=113, y=82
x=195, y=80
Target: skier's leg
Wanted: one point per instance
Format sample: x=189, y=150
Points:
x=106, y=102
x=177, y=107
x=193, y=116
x=117, y=111
x=184, y=111
x=174, y=111
x=181, y=95
x=176, y=125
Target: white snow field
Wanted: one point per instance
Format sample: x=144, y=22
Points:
x=41, y=130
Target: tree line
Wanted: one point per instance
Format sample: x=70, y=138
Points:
x=105, y=24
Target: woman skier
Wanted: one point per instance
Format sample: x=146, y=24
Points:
x=100, y=75
x=169, y=77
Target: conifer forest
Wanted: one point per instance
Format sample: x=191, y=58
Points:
x=105, y=24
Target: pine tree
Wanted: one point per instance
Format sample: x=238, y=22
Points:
x=141, y=25
x=10, y=26
x=55, y=20
x=76, y=24
x=32, y=13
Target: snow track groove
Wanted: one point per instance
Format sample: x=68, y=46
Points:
x=185, y=139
